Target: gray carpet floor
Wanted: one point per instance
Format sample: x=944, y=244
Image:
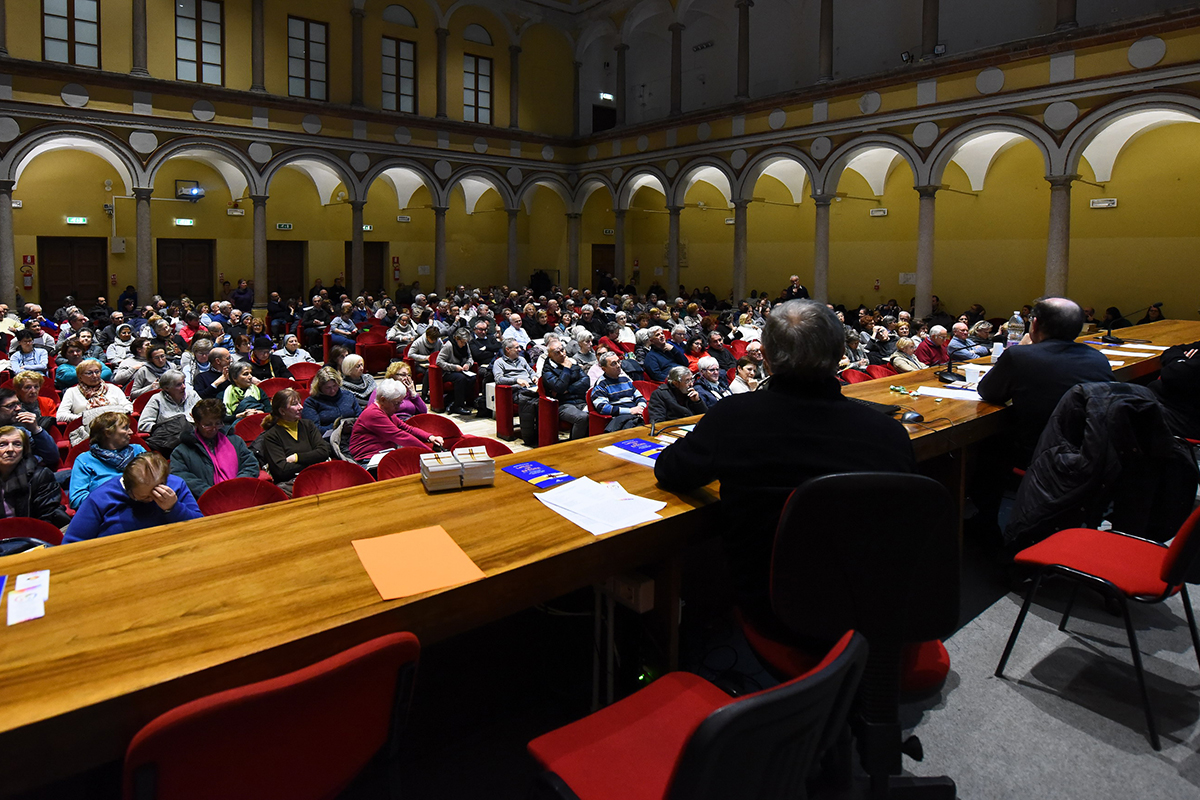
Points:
x=1066, y=722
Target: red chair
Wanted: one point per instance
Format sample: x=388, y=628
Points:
x=141, y=400
x=681, y=736
x=250, y=427
x=506, y=409
x=400, y=462
x=881, y=371
x=238, y=493
x=549, y=423
x=304, y=735
x=60, y=439
x=438, y=426
x=494, y=448
x=376, y=351
x=597, y=422
x=83, y=446
x=272, y=385
x=738, y=347
x=1121, y=568
x=853, y=376
x=329, y=476
x=730, y=374
x=14, y=527
x=304, y=372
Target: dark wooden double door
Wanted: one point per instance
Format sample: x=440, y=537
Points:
x=72, y=265
x=186, y=266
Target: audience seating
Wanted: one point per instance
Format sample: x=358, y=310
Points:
x=329, y=476
x=400, y=462
x=738, y=347
x=438, y=426
x=549, y=423
x=881, y=371
x=304, y=735
x=304, y=371
x=272, y=385
x=1122, y=568
x=139, y=402
x=83, y=446
x=597, y=422
x=239, y=493
x=28, y=527
x=506, y=409
x=47, y=388
x=853, y=376
x=682, y=737
x=377, y=352
x=250, y=427
x=494, y=448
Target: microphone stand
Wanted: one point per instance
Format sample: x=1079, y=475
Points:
x=1108, y=338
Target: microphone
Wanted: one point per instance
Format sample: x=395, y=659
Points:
x=1108, y=338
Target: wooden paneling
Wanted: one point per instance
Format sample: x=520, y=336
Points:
x=72, y=265
x=185, y=265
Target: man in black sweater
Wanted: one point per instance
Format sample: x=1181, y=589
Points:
x=567, y=383
x=762, y=445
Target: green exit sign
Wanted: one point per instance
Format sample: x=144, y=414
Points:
x=283, y=226
x=77, y=220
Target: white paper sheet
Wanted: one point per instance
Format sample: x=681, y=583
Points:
x=1115, y=364
x=599, y=508
x=25, y=605
x=949, y=393
x=38, y=581
x=628, y=456
x=1125, y=354
x=1157, y=347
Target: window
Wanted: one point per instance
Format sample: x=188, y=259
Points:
x=307, y=58
x=477, y=89
x=399, y=75
x=71, y=32
x=200, y=41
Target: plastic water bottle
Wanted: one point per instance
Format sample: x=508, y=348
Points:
x=1016, y=329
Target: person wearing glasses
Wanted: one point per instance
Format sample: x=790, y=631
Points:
x=710, y=382
x=677, y=398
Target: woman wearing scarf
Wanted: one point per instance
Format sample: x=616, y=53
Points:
x=356, y=381
x=206, y=456
x=107, y=458
x=292, y=353
x=90, y=398
x=264, y=364
x=290, y=442
x=164, y=336
x=146, y=378
x=118, y=351
x=457, y=364
x=27, y=489
x=242, y=398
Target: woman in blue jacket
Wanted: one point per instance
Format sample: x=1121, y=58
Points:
x=328, y=402
x=144, y=496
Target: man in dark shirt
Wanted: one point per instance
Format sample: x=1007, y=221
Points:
x=567, y=383
x=762, y=445
x=213, y=382
x=795, y=290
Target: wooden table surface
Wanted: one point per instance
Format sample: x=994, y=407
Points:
x=140, y=622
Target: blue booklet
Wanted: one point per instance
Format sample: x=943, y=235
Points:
x=538, y=474
x=641, y=447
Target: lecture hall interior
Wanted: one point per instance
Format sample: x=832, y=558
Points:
x=985, y=153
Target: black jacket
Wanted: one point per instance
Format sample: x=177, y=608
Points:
x=485, y=350
x=666, y=404
x=1178, y=387
x=277, y=444
x=32, y=492
x=1106, y=443
x=274, y=368
x=565, y=385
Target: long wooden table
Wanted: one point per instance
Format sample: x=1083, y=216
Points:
x=141, y=622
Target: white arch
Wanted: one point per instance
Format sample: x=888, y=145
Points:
x=404, y=182
x=399, y=174
x=587, y=187
x=475, y=183
x=325, y=171
x=645, y=176
x=778, y=161
x=826, y=181
x=594, y=32
x=547, y=180
x=646, y=10
x=977, y=138
x=1095, y=123
x=232, y=165
x=99, y=143
x=708, y=170
x=497, y=11
x=1102, y=152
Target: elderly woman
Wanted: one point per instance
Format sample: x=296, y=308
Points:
x=90, y=348
x=164, y=336
x=292, y=353
x=118, y=351
x=677, y=398
x=195, y=361
x=981, y=333
x=146, y=378
x=67, y=365
x=710, y=382
x=746, y=379
x=26, y=357
x=28, y=488
x=342, y=330
x=242, y=345
x=457, y=366
x=412, y=404
x=585, y=354
x=144, y=496
x=206, y=456
x=695, y=350
x=264, y=364
x=175, y=399
x=290, y=442
x=378, y=428
x=356, y=381
x=403, y=333
x=90, y=398
x=28, y=386
x=905, y=359
x=107, y=457
x=328, y=402
x=241, y=397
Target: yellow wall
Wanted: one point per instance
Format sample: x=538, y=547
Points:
x=547, y=81
x=476, y=245
x=597, y=217
x=546, y=239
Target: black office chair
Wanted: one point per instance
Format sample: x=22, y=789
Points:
x=894, y=583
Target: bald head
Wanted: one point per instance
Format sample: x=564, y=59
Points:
x=1055, y=318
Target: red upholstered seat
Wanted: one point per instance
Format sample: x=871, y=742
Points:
x=272, y=385
x=438, y=426
x=14, y=527
x=494, y=448
x=304, y=371
x=142, y=399
x=239, y=493
x=880, y=371
x=1134, y=566
x=924, y=667
x=250, y=427
x=400, y=462
x=301, y=736
x=853, y=376
x=329, y=476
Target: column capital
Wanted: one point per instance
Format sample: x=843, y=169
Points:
x=512, y=212
x=620, y=213
x=927, y=191
x=143, y=192
x=676, y=27
x=358, y=12
x=442, y=33
x=621, y=48
x=573, y=215
x=7, y=186
x=514, y=49
x=744, y=4
x=578, y=65
x=674, y=210
x=741, y=204
x=356, y=205
x=1061, y=181
x=823, y=199
x=259, y=200
x=440, y=211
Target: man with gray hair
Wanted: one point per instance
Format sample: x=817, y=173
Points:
x=762, y=445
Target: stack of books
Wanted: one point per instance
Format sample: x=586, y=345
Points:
x=440, y=472
x=478, y=468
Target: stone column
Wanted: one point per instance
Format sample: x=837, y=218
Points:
x=820, y=288
x=573, y=249
x=619, y=247
x=139, y=39
x=439, y=249
x=8, y=258
x=1065, y=16
x=825, y=43
x=1058, y=245
x=743, y=63
x=676, y=30
x=512, y=246
x=357, y=278
x=925, y=242
x=442, y=54
x=740, y=218
x=514, y=86
x=576, y=101
x=356, y=56
x=673, y=252
x=3, y=30
x=145, y=255
x=929, y=27
x=257, y=50
x=261, y=289
x=621, y=93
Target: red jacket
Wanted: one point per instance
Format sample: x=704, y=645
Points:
x=930, y=353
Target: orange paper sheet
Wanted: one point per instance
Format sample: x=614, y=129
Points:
x=413, y=562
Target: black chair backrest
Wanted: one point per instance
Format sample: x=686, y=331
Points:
x=1180, y=565
x=845, y=558
x=763, y=746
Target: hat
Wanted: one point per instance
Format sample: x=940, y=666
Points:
x=262, y=343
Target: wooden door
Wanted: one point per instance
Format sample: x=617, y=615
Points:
x=285, y=269
x=375, y=256
x=604, y=259
x=186, y=266
x=72, y=265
